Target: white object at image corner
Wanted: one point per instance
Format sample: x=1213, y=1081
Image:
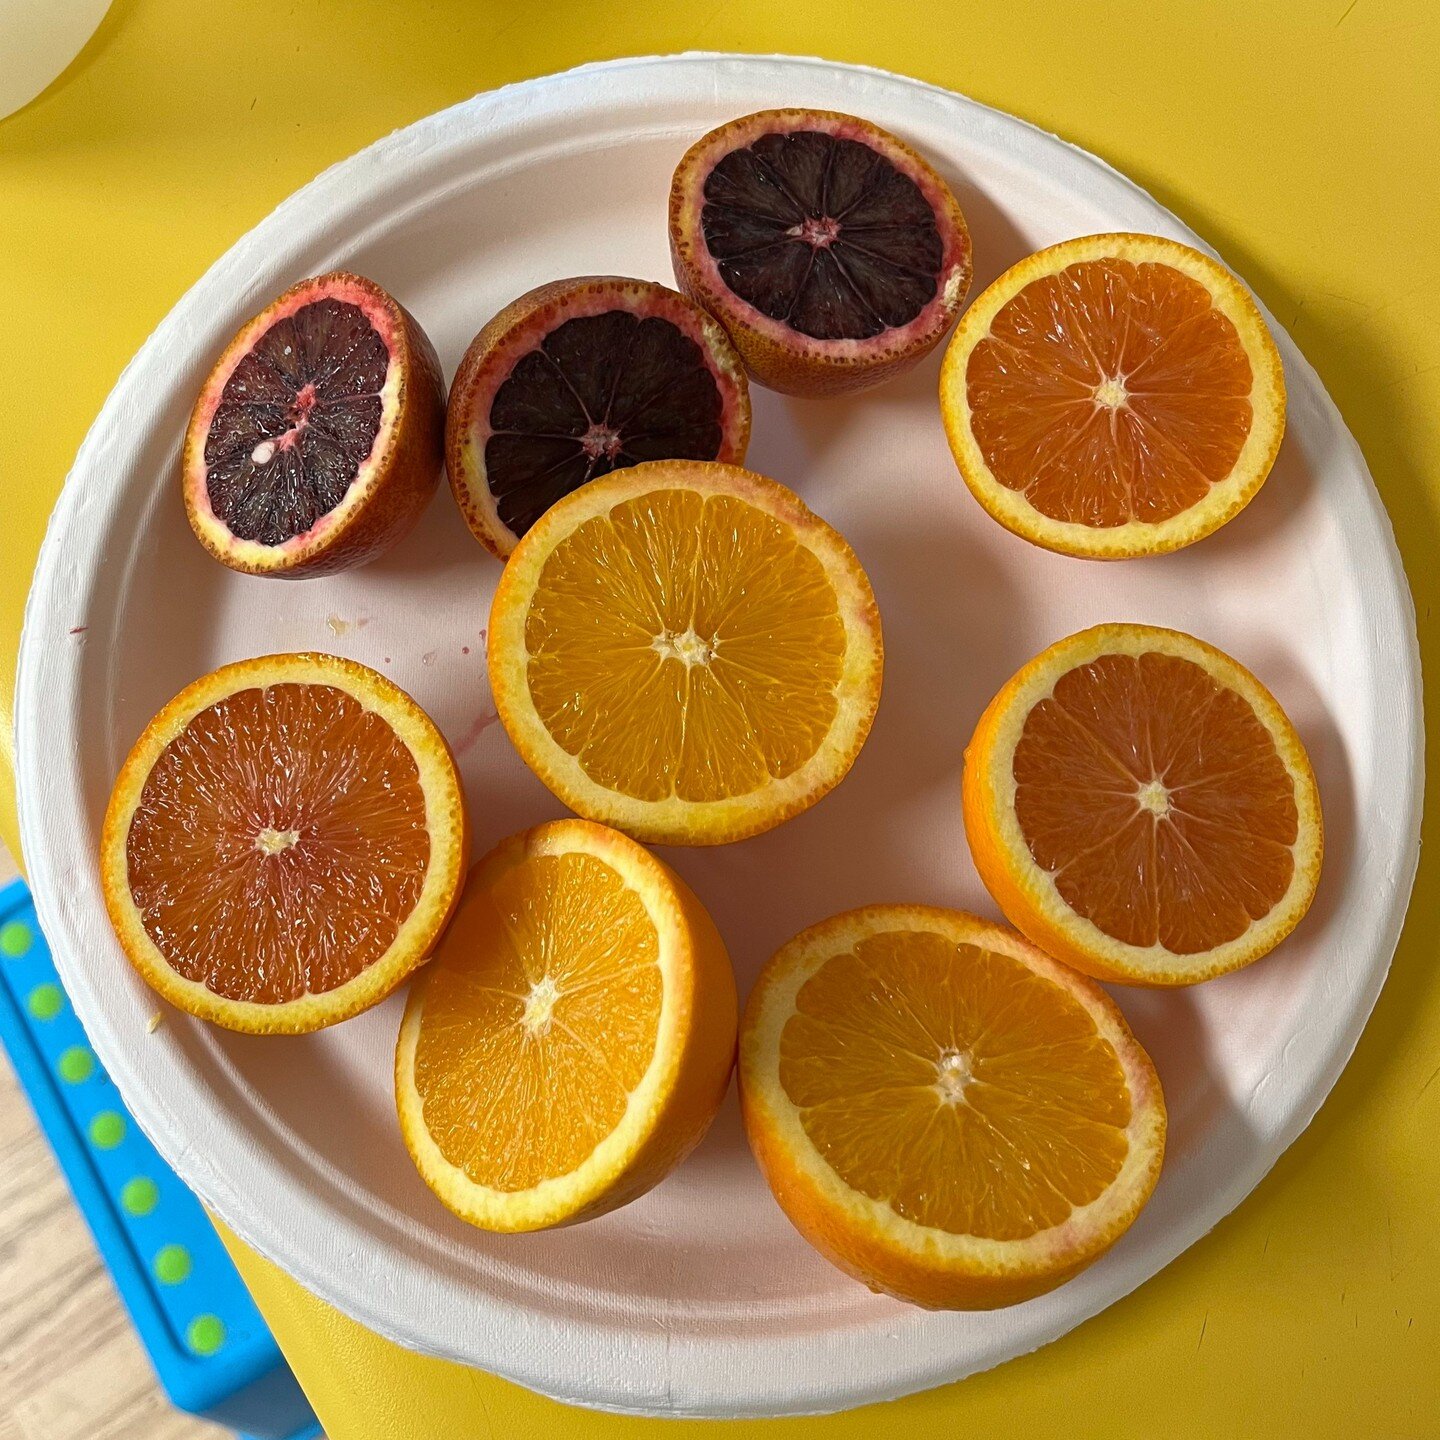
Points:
x=38, y=39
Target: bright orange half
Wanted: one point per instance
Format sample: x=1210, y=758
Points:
x=942, y=1110
x=1141, y=807
x=1113, y=396
x=284, y=843
x=574, y=1036
x=684, y=651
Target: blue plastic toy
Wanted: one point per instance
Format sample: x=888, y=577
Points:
x=209, y=1345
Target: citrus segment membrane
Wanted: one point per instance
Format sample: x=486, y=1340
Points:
x=530, y=1050
x=823, y=233
x=599, y=393
x=685, y=645
x=296, y=420
x=1158, y=801
x=1109, y=392
x=279, y=843
x=955, y=1085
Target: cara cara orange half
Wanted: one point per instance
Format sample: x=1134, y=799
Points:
x=1113, y=396
x=1141, y=807
x=284, y=843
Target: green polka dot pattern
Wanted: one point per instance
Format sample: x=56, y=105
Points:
x=107, y=1130
x=172, y=1265
x=77, y=1065
x=45, y=1002
x=205, y=1335
x=15, y=938
x=197, y=1315
x=139, y=1196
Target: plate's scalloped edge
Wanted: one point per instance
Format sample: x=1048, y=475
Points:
x=677, y=1386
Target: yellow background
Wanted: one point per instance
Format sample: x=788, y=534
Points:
x=1298, y=137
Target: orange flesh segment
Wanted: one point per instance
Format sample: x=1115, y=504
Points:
x=1111, y=392
x=685, y=645
x=1158, y=801
x=954, y=1084
x=279, y=843
x=530, y=1045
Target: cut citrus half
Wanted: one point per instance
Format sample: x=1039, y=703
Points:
x=944, y=1111
x=572, y=1039
x=284, y=843
x=578, y=378
x=1114, y=396
x=1141, y=807
x=684, y=651
x=318, y=438
x=834, y=255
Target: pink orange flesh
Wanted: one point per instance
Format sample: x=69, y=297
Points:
x=1159, y=802
x=279, y=843
x=1111, y=392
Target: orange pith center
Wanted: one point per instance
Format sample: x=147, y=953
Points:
x=1158, y=801
x=279, y=843
x=955, y=1085
x=685, y=645
x=540, y=1018
x=1110, y=392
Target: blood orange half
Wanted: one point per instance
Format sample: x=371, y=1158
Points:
x=317, y=438
x=284, y=844
x=834, y=255
x=578, y=378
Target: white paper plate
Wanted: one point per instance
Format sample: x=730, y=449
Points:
x=699, y=1299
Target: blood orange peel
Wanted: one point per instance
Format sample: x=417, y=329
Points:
x=317, y=439
x=831, y=251
x=580, y=377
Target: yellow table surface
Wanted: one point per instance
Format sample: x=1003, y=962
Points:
x=1300, y=138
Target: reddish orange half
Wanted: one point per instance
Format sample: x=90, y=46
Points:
x=1114, y=396
x=1140, y=806
x=284, y=843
